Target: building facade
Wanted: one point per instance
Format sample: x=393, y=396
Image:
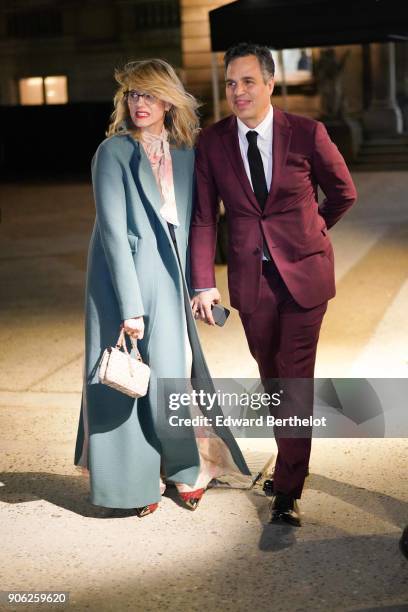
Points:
x=82, y=41
x=63, y=53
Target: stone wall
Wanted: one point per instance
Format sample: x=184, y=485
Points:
x=196, y=49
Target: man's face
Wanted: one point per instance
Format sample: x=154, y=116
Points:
x=247, y=93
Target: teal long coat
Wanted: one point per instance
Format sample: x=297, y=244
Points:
x=132, y=271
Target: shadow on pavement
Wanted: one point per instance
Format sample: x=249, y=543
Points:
x=72, y=493
x=383, y=507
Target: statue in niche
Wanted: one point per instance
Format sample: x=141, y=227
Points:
x=329, y=71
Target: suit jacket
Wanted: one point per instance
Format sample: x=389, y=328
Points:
x=292, y=223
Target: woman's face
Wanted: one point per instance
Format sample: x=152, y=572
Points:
x=147, y=111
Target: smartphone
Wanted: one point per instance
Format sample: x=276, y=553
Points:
x=220, y=314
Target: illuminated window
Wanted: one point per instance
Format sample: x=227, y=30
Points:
x=40, y=90
x=298, y=66
x=31, y=91
x=55, y=90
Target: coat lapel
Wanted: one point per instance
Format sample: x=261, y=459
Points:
x=146, y=182
x=182, y=182
x=282, y=133
x=231, y=144
x=182, y=186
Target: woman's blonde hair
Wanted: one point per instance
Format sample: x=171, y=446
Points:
x=158, y=78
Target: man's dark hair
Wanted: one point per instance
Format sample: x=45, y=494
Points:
x=244, y=49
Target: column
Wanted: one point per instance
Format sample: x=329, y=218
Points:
x=401, y=66
x=383, y=117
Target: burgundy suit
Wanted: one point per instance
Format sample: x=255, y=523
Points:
x=282, y=303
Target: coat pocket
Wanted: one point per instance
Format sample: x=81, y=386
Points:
x=133, y=240
x=312, y=246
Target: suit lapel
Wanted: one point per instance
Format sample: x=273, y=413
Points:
x=231, y=145
x=282, y=133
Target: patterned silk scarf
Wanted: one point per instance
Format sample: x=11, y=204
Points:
x=158, y=152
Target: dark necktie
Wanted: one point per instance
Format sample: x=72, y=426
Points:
x=256, y=168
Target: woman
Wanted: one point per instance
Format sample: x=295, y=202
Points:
x=143, y=181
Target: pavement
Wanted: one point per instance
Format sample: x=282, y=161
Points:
x=224, y=556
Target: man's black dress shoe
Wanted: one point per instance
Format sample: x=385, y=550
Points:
x=268, y=484
x=284, y=509
x=404, y=542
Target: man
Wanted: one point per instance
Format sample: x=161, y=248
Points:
x=266, y=165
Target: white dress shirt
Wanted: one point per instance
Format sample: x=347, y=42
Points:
x=264, y=142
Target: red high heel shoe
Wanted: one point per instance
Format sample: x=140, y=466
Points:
x=146, y=510
x=192, y=498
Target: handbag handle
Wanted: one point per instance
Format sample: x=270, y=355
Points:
x=121, y=343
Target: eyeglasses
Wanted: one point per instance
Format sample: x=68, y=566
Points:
x=134, y=96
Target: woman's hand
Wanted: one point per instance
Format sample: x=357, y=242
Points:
x=202, y=302
x=134, y=327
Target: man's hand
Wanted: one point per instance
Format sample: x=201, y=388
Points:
x=134, y=327
x=201, y=304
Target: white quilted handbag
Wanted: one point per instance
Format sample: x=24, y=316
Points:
x=121, y=371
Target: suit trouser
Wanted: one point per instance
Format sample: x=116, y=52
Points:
x=282, y=337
